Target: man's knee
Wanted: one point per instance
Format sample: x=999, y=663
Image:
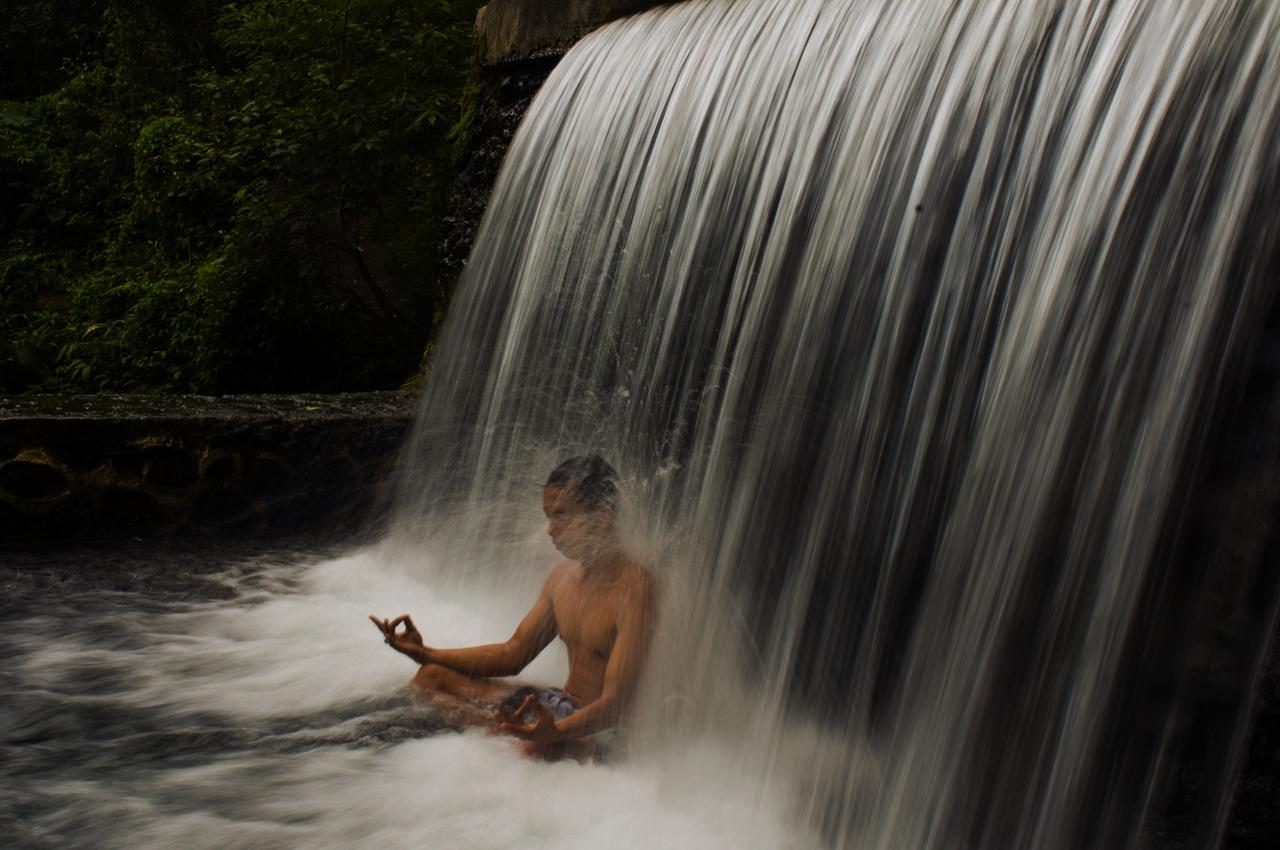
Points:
x=433, y=677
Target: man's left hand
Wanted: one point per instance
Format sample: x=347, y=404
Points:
x=408, y=642
x=541, y=731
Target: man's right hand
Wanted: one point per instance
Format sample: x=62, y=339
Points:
x=408, y=642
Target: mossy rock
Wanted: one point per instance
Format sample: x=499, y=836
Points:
x=32, y=476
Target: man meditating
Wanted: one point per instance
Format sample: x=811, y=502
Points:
x=598, y=600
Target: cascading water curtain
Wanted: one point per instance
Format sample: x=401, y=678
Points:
x=903, y=321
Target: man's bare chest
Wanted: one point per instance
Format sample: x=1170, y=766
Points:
x=587, y=622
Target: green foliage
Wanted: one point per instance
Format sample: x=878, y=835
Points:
x=40, y=38
x=231, y=197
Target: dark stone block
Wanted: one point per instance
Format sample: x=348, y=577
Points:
x=220, y=506
x=169, y=467
x=13, y=525
x=220, y=470
x=81, y=457
x=28, y=479
x=127, y=466
x=266, y=475
x=72, y=515
x=331, y=475
x=126, y=509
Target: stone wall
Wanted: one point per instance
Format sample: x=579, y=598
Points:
x=91, y=467
x=515, y=30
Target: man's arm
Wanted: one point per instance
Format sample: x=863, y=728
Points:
x=536, y=630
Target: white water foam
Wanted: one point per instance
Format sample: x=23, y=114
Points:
x=294, y=642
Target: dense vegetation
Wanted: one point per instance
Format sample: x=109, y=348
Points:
x=223, y=197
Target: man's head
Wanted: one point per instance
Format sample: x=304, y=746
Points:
x=579, y=499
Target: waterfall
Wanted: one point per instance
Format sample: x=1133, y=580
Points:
x=904, y=323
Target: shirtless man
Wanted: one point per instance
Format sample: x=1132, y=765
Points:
x=598, y=600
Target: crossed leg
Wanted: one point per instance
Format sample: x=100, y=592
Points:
x=460, y=695
x=463, y=698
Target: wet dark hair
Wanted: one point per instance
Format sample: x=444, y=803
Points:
x=590, y=478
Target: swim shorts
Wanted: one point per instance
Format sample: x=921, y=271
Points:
x=553, y=699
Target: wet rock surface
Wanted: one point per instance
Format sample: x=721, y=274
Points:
x=501, y=98
x=103, y=467
x=1254, y=819
x=1224, y=586
x=520, y=43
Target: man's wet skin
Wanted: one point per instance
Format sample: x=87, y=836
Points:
x=599, y=601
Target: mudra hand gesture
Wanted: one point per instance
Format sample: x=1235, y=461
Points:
x=541, y=731
x=409, y=641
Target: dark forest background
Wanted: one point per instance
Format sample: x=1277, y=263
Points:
x=224, y=197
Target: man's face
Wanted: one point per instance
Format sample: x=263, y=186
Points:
x=576, y=530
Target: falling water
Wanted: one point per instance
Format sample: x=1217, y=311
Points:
x=903, y=321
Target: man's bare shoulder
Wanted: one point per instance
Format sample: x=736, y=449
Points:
x=560, y=573
x=635, y=577
x=640, y=572
x=640, y=581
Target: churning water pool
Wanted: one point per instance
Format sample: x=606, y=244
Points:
x=240, y=699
